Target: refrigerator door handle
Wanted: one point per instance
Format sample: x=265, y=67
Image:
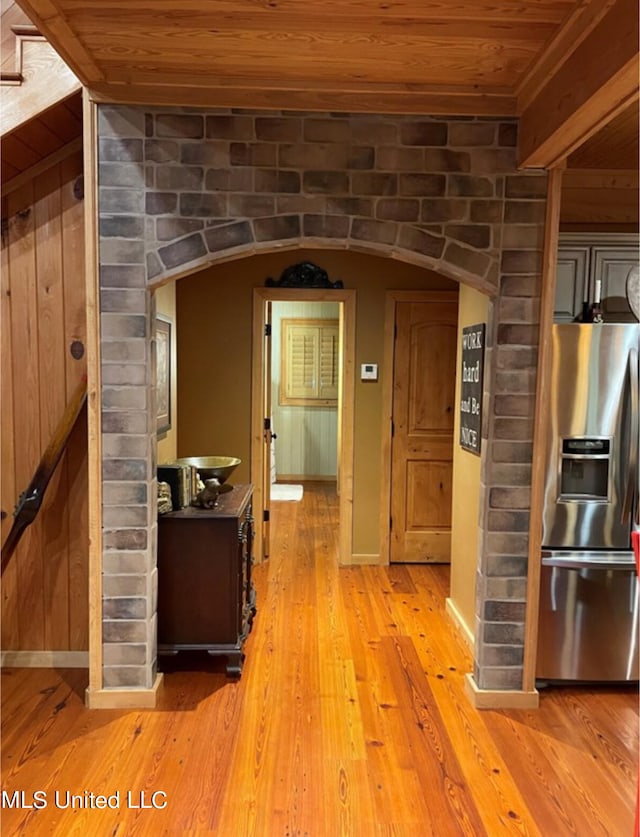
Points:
x=590, y=562
x=630, y=491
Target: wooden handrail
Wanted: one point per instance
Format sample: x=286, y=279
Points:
x=30, y=500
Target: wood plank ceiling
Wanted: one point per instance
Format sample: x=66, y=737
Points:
x=470, y=57
x=614, y=147
x=49, y=132
x=428, y=56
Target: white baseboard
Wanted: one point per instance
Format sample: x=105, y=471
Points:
x=44, y=659
x=461, y=626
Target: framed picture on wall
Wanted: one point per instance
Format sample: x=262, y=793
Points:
x=163, y=373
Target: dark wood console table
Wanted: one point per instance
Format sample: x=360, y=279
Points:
x=206, y=598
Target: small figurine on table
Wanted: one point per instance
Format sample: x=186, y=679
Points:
x=207, y=497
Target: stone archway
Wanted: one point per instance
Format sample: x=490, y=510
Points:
x=180, y=189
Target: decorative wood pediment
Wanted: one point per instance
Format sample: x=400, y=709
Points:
x=303, y=275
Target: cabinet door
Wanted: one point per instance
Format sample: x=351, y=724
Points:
x=572, y=283
x=612, y=266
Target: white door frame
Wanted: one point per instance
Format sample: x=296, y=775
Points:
x=346, y=401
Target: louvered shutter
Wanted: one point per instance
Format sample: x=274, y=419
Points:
x=303, y=350
x=328, y=387
x=309, y=362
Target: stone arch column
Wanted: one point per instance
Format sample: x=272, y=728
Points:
x=180, y=189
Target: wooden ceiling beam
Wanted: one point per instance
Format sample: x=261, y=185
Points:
x=575, y=29
x=368, y=99
x=436, y=11
x=178, y=79
x=594, y=85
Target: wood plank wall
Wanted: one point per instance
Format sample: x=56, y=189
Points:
x=598, y=200
x=44, y=588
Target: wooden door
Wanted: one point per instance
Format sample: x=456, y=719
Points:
x=422, y=442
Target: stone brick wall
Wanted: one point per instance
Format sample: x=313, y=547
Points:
x=180, y=188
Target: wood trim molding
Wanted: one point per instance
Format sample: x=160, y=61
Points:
x=493, y=699
x=256, y=456
x=346, y=408
x=44, y=659
x=26, y=30
x=346, y=412
x=124, y=698
x=373, y=98
x=387, y=415
x=94, y=389
x=11, y=79
x=543, y=398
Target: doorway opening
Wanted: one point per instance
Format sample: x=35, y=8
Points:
x=334, y=401
x=305, y=342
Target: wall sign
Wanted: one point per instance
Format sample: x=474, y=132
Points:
x=471, y=387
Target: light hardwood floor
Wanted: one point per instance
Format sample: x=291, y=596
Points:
x=350, y=720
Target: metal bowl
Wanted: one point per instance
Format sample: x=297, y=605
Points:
x=220, y=467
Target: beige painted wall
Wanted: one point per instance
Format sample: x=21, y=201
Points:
x=472, y=308
x=214, y=361
x=166, y=305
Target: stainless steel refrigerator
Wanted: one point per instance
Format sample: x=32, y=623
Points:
x=588, y=619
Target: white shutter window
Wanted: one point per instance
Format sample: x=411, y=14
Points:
x=309, y=363
x=328, y=384
x=302, y=348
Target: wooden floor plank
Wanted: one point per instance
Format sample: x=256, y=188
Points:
x=350, y=720
x=436, y=763
x=500, y=804
x=556, y=805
